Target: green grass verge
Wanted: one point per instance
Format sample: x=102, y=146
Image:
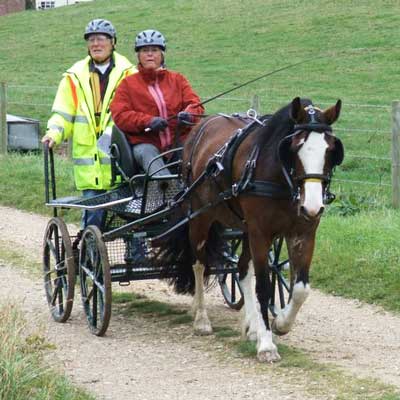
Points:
x=130, y=303
x=358, y=257
x=23, y=372
x=318, y=379
x=317, y=376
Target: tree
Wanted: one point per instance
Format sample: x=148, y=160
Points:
x=30, y=4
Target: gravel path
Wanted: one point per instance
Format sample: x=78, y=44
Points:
x=136, y=361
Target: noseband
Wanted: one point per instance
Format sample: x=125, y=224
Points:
x=288, y=169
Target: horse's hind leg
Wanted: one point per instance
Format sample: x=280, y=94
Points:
x=201, y=325
x=198, y=237
x=300, y=250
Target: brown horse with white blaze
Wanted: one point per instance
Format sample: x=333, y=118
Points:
x=267, y=179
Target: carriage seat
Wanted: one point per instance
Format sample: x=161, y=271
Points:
x=122, y=162
x=151, y=193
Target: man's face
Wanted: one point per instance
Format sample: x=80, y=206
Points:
x=100, y=47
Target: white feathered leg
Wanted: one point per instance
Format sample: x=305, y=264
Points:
x=201, y=325
x=284, y=321
x=254, y=324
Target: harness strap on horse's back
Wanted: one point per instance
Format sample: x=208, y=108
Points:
x=231, y=148
x=267, y=189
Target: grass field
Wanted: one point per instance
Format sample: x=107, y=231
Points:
x=24, y=374
x=350, y=48
x=219, y=46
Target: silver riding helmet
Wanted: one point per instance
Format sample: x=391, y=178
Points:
x=150, y=37
x=100, y=26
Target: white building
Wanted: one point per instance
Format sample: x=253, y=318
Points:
x=44, y=4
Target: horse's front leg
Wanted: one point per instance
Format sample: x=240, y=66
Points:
x=300, y=249
x=256, y=304
x=201, y=325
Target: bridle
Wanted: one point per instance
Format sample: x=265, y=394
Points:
x=296, y=181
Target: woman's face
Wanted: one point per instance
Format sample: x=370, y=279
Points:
x=150, y=57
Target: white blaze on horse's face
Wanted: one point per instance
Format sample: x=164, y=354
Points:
x=312, y=156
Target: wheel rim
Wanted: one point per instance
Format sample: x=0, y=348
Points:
x=95, y=279
x=58, y=270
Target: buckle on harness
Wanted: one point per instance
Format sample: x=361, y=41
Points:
x=252, y=114
x=235, y=190
x=219, y=168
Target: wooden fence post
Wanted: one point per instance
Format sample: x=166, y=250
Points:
x=3, y=119
x=395, y=153
x=255, y=103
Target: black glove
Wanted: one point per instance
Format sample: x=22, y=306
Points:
x=158, y=124
x=184, y=117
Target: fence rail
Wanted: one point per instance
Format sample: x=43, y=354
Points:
x=361, y=126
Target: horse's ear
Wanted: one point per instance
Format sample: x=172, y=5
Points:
x=297, y=112
x=332, y=114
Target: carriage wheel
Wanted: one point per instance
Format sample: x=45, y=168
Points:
x=95, y=278
x=229, y=282
x=58, y=269
x=281, y=281
x=281, y=277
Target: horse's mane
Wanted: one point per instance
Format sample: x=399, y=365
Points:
x=279, y=125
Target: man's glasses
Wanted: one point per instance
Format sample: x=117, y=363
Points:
x=97, y=38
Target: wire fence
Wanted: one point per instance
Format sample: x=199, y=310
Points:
x=365, y=129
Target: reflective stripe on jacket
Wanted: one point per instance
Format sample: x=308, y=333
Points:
x=73, y=118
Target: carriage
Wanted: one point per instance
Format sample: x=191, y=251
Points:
x=242, y=188
x=140, y=207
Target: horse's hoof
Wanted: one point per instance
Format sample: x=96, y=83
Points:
x=268, y=356
x=203, y=330
x=252, y=336
x=276, y=331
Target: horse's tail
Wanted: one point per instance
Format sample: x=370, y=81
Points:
x=175, y=256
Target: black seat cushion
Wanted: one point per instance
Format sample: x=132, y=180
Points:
x=121, y=154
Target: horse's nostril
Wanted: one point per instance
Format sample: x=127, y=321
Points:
x=306, y=213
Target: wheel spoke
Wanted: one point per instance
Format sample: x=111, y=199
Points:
x=55, y=270
x=57, y=288
x=60, y=299
x=96, y=282
x=233, y=288
x=90, y=294
x=94, y=308
x=53, y=250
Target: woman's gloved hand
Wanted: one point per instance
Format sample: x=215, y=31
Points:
x=158, y=124
x=184, y=117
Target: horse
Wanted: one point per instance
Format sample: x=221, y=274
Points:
x=269, y=179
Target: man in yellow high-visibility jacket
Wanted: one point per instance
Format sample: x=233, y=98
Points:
x=81, y=112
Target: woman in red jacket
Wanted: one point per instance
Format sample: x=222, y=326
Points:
x=149, y=105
